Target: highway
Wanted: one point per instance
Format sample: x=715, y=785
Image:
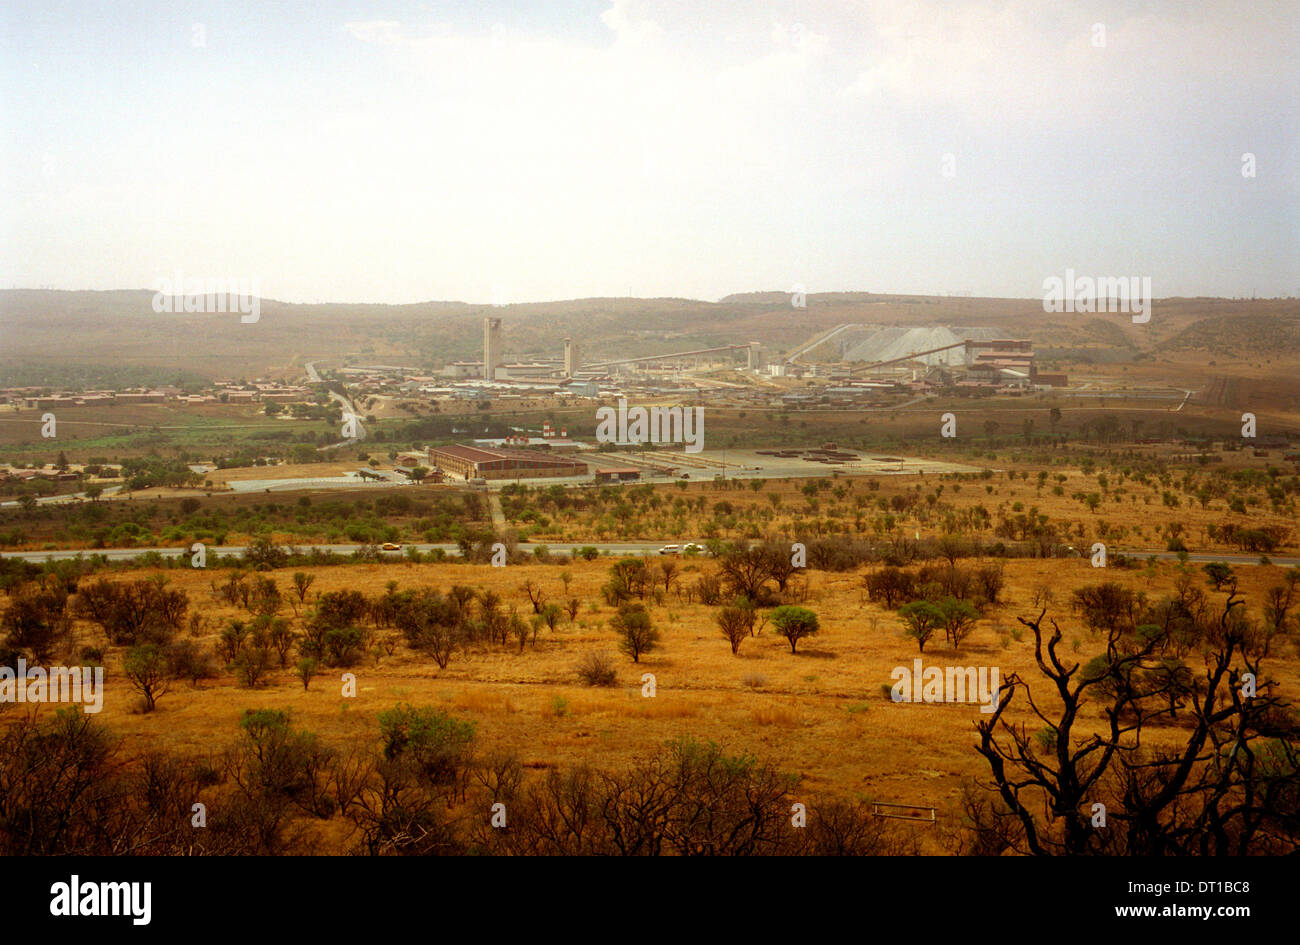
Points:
x=613, y=548
x=125, y=554
x=108, y=492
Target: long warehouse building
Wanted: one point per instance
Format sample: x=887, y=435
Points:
x=476, y=462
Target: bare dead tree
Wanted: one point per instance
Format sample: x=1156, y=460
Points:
x=1233, y=785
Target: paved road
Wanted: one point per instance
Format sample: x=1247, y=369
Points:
x=123, y=554
x=313, y=377
x=65, y=497
x=632, y=548
x=349, y=410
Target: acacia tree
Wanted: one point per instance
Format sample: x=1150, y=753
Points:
x=146, y=666
x=1109, y=606
x=302, y=582
x=1231, y=785
x=958, y=618
x=1277, y=607
x=306, y=668
x=746, y=571
x=1217, y=573
x=920, y=618
x=890, y=585
x=265, y=597
x=550, y=615
x=794, y=623
x=639, y=635
x=281, y=639
x=37, y=621
x=628, y=578
x=433, y=623
x=667, y=571
x=780, y=563
x=736, y=621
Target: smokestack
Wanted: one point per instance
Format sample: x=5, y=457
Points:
x=491, y=348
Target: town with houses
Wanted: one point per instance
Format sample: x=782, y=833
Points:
x=850, y=367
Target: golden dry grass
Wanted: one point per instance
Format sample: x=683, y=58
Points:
x=820, y=714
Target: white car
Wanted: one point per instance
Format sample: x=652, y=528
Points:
x=693, y=549
x=670, y=550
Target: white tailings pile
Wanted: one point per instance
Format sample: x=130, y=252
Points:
x=871, y=343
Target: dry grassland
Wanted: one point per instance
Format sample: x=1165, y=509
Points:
x=821, y=714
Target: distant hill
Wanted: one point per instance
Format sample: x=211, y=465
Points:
x=47, y=333
x=1239, y=334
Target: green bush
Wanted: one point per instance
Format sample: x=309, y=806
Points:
x=794, y=623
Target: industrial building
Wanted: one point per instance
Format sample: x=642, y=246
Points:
x=476, y=462
x=584, y=389
x=605, y=474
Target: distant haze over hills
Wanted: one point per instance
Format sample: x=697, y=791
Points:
x=52, y=327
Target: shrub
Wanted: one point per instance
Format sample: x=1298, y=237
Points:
x=251, y=666
x=991, y=580
x=428, y=743
x=709, y=589
x=37, y=621
x=342, y=646
x=231, y=641
x=142, y=611
x=597, y=669
x=187, y=660
x=890, y=585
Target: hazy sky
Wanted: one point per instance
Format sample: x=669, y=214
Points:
x=516, y=151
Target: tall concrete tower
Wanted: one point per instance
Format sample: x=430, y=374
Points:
x=491, y=348
x=572, y=359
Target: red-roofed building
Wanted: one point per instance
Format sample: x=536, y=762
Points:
x=476, y=462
